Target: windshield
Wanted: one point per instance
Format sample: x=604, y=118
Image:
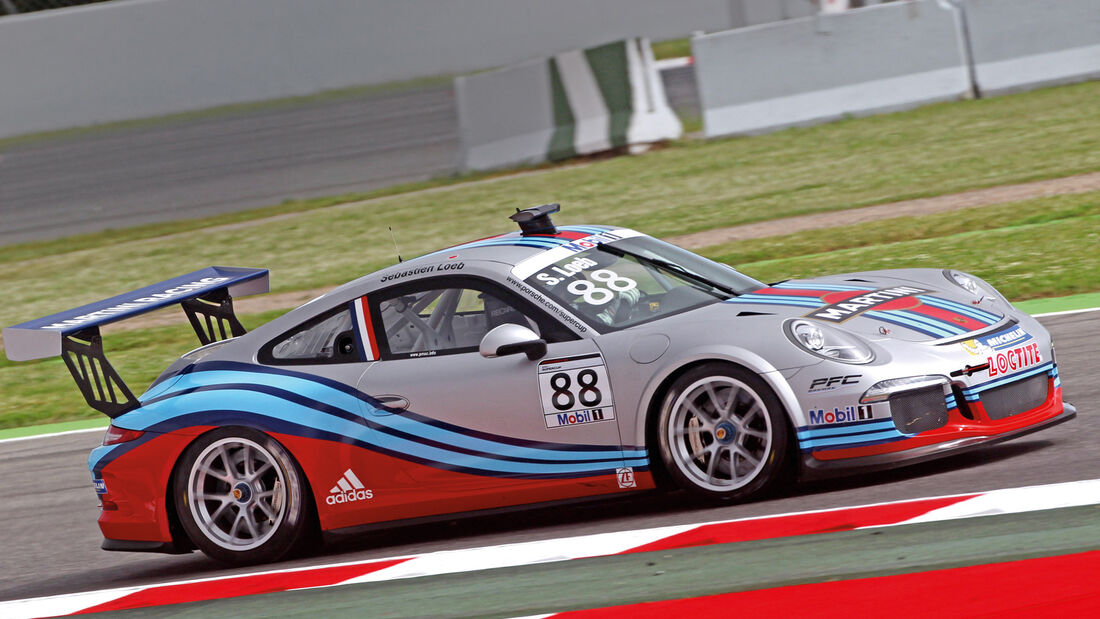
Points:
x=614, y=285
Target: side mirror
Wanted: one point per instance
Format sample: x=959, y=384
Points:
x=344, y=346
x=509, y=339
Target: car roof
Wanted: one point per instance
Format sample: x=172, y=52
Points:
x=522, y=246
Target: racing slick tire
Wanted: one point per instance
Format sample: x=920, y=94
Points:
x=722, y=433
x=240, y=497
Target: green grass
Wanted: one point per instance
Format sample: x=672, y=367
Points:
x=1073, y=302
x=1009, y=245
x=690, y=187
x=1005, y=244
x=1037, y=248
x=673, y=48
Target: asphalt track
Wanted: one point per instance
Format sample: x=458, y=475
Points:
x=228, y=161
x=51, y=541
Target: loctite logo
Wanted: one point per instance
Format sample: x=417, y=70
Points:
x=1014, y=359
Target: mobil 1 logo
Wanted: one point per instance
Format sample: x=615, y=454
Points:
x=575, y=391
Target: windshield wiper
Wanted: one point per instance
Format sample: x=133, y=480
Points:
x=668, y=266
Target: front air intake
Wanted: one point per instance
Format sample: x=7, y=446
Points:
x=1016, y=397
x=919, y=410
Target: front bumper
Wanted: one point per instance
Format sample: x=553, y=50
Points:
x=814, y=468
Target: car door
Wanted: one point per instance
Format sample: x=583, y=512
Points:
x=468, y=432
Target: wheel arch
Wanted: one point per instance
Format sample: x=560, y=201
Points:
x=662, y=381
x=180, y=537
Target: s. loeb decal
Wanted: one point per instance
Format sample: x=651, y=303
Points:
x=575, y=391
x=538, y=262
x=839, y=312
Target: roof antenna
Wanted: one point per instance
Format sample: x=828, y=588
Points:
x=399, y=260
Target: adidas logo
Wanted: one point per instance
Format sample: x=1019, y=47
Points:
x=347, y=489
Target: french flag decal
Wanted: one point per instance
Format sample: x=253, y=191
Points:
x=364, y=330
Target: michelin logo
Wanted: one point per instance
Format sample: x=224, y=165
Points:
x=348, y=489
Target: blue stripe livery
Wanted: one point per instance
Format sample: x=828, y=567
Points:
x=929, y=325
x=855, y=434
x=277, y=400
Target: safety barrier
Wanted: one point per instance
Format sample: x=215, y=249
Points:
x=876, y=59
x=889, y=57
x=575, y=103
x=1021, y=44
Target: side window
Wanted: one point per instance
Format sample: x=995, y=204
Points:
x=442, y=320
x=451, y=314
x=327, y=338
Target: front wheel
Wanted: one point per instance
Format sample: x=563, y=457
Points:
x=722, y=433
x=241, y=497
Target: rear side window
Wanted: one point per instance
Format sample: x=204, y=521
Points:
x=327, y=338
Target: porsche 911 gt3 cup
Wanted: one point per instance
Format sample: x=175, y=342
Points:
x=536, y=366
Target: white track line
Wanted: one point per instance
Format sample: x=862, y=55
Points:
x=1063, y=313
x=52, y=434
x=1005, y=501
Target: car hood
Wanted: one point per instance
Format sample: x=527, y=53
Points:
x=909, y=304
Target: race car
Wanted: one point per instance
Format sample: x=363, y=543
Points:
x=542, y=365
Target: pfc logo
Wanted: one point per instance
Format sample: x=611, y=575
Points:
x=830, y=383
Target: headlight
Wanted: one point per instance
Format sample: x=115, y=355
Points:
x=828, y=342
x=966, y=282
x=974, y=286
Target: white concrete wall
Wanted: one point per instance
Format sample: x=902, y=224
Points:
x=138, y=58
x=874, y=59
x=1021, y=44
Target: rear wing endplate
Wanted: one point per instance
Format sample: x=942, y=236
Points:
x=206, y=296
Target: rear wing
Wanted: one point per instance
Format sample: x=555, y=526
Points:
x=206, y=296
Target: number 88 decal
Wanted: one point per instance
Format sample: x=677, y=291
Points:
x=589, y=394
x=593, y=294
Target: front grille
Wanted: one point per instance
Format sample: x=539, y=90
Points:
x=1015, y=398
x=919, y=410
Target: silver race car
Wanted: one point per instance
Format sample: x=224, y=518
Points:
x=542, y=365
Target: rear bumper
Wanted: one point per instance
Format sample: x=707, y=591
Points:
x=813, y=468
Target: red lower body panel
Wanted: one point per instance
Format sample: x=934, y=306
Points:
x=400, y=489
x=137, y=484
x=394, y=488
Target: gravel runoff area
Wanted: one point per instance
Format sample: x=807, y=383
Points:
x=1081, y=183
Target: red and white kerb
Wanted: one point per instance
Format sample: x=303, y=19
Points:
x=365, y=328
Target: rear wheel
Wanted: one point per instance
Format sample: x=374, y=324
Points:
x=241, y=497
x=722, y=433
